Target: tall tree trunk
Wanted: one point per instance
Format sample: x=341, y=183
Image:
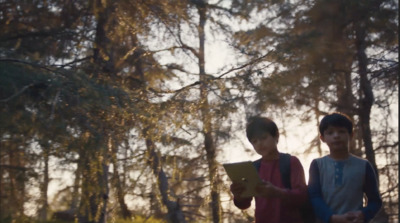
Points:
x=75, y=191
x=94, y=195
x=207, y=119
x=3, y=194
x=366, y=102
x=367, y=95
x=43, y=212
x=118, y=184
x=102, y=56
x=93, y=205
x=17, y=180
x=103, y=178
x=317, y=117
x=175, y=214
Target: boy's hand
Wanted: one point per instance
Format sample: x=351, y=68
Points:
x=237, y=189
x=355, y=216
x=349, y=217
x=337, y=218
x=267, y=190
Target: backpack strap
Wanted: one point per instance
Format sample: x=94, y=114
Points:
x=306, y=211
x=257, y=164
x=284, y=167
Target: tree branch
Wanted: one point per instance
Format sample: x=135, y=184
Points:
x=17, y=94
x=13, y=167
x=26, y=62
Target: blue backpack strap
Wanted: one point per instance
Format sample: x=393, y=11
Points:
x=284, y=167
x=257, y=164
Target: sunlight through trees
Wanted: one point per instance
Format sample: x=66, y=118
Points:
x=119, y=111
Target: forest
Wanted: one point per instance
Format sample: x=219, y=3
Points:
x=124, y=111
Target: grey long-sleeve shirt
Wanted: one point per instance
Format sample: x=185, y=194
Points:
x=337, y=187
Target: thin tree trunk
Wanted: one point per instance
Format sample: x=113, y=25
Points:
x=207, y=120
x=3, y=195
x=118, y=184
x=84, y=214
x=16, y=179
x=367, y=96
x=45, y=184
x=175, y=214
x=317, y=117
x=75, y=190
x=98, y=157
x=106, y=190
x=366, y=102
x=94, y=195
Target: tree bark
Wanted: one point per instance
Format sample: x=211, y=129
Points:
x=367, y=96
x=75, y=190
x=366, y=102
x=16, y=181
x=118, y=184
x=45, y=184
x=207, y=119
x=175, y=214
x=94, y=194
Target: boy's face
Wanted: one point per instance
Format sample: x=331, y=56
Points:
x=265, y=144
x=337, y=138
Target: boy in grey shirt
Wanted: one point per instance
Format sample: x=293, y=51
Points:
x=339, y=180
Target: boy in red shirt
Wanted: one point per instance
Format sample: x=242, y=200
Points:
x=276, y=203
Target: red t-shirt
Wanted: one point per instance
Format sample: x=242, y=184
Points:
x=276, y=210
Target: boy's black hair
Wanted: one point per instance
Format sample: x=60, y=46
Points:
x=258, y=126
x=336, y=119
